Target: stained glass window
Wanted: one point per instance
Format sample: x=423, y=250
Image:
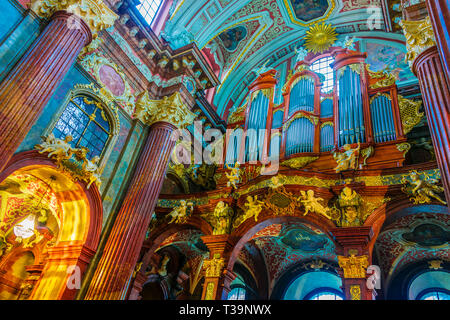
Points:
x=149, y=9
x=323, y=67
x=85, y=120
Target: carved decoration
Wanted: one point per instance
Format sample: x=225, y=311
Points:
x=253, y=208
x=71, y=160
x=169, y=109
x=409, y=113
x=237, y=115
x=347, y=160
x=214, y=267
x=404, y=147
x=354, y=266
x=312, y=204
x=95, y=13
x=384, y=78
x=419, y=37
x=298, y=163
x=234, y=175
x=422, y=189
x=220, y=219
x=180, y=214
x=355, y=292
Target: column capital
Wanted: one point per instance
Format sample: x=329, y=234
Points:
x=169, y=109
x=354, y=267
x=95, y=13
x=419, y=37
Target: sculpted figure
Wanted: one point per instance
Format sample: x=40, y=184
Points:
x=90, y=167
x=222, y=218
x=349, y=201
x=422, y=190
x=311, y=203
x=254, y=207
x=233, y=176
x=181, y=213
x=61, y=149
x=348, y=159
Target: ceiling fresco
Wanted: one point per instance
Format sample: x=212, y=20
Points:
x=423, y=236
x=275, y=28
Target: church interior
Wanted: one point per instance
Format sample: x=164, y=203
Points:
x=224, y=150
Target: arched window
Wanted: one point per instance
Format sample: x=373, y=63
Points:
x=436, y=294
x=149, y=9
x=315, y=285
x=86, y=121
x=325, y=294
x=323, y=67
x=237, y=293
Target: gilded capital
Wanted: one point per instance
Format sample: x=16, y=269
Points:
x=419, y=37
x=95, y=13
x=169, y=109
x=354, y=266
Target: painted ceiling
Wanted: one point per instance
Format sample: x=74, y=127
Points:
x=244, y=34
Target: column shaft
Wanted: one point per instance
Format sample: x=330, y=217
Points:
x=29, y=86
x=124, y=244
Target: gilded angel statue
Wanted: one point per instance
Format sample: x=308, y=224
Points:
x=61, y=149
x=181, y=213
x=312, y=204
x=233, y=176
x=421, y=190
x=254, y=207
x=348, y=159
x=91, y=169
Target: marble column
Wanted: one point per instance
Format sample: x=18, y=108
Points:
x=30, y=84
x=439, y=11
x=354, y=260
x=425, y=62
x=217, y=277
x=115, y=268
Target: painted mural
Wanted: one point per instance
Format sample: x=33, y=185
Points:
x=428, y=235
x=382, y=56
x=307, y=10
x=232, y=37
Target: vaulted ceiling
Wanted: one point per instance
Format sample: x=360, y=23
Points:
x=243, y=35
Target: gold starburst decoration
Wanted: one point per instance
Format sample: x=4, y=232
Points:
x=320, y=37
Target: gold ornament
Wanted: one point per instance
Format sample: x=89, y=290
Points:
x=237, y=115
x=347, y=160
x=421, y=190
x=435, y=264
x=181, y=213
x=354, y=266
x=95, y=13
x=253, y=209
x=298, y=163
x=233, y=176
x=320, y=37
x=214, y=266
x=384, y=77
x=409, y=113
x=220, y=219
x=169, y=109
x=355, y=292
x=419, y=37
x=311, y=203
x=404, y=147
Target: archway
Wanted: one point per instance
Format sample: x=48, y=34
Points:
x=49, y=227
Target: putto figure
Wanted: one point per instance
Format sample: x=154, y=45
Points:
x=233, y=176
x=59, y=149
x=182, y=212
x=312, y=204
x=347, y=160
x=254, y=207
x=421, y=190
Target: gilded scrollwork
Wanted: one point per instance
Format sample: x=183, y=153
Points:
x=419, y=37
x=299, y=162
x=354, y=267
x=214, y=267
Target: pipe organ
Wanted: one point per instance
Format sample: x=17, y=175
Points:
x=362, y=110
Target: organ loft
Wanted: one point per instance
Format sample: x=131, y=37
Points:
x=224, y=150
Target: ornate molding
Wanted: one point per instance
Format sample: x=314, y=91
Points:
x=213, y=267
x=95, y=13
x=354, y=266
x=169, y=109
x=298, y=163
x=419, y=37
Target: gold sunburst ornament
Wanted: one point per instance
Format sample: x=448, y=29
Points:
x=320, y=37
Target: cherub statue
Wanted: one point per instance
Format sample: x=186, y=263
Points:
x=311, y=203
x=91, y=168
x=276, y=182
x=181, y=213
x=233, y=176
x=254, y=207
x=61, y=149
x=348, y=159
x=421, y=190
x=349, y=201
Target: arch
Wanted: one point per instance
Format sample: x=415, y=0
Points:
x=249, y=228
x=81, y=222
